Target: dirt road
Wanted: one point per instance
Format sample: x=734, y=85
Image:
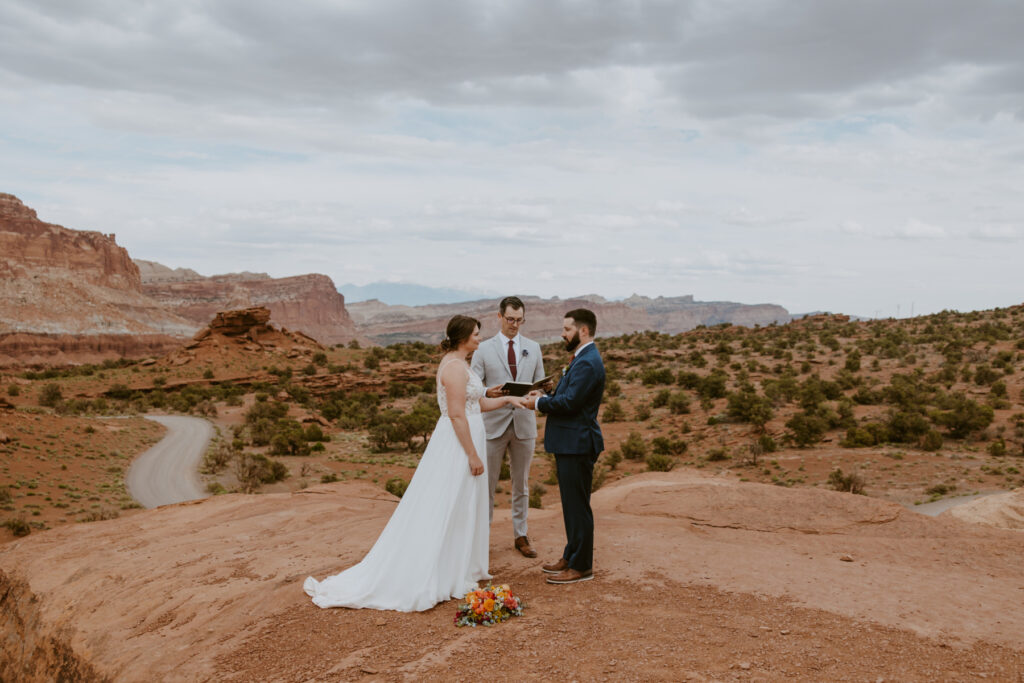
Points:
x=169, y=471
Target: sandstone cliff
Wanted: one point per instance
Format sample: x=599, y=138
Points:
x=307, y=303
x=70, y=284
x=386, y=324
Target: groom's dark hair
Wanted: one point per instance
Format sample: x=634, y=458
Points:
x=511, y=302
x=584, y=317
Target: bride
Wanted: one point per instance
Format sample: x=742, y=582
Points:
x=435, y=545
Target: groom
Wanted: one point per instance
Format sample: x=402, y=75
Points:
x=509, y=356
x=573, y=435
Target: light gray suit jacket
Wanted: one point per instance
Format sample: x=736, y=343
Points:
x=490, y=363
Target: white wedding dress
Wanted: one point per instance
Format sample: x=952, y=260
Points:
x=435, y=546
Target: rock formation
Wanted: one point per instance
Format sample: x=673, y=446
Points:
x=72, y=290
x=386, y=324
x=694, y=575
x=246, y=330
x=309, y=303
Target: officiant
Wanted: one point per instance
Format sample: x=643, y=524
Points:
x=510, y=357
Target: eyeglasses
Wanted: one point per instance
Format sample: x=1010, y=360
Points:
x=515, y=321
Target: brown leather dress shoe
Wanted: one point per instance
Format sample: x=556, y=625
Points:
x=555, y=567
x=571, y=576
x=523, y=546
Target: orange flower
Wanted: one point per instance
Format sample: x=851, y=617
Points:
x=489, y=604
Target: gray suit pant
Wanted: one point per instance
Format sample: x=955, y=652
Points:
x=520, y=453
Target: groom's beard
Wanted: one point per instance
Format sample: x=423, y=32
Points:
x=571, y=344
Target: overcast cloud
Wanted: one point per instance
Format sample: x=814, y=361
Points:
x=861, y=157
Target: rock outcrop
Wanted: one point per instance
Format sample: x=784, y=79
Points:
x=72, y=289
x=386, y=324
x=309, y=303
x=242, y=331
x=733, y=576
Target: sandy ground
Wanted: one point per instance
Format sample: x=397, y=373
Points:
x=697, y=578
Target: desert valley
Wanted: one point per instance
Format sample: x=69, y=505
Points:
x=768, y=505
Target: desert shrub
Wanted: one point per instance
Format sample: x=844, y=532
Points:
x=50, y=395
x=320, y=358
x=806, y=428
x=612, y=389
x=5, y=495
x=13, y=390
x=931, y=441
x=688, y=380
x=940, y=490
x=767, y=443
x=208, y=374
x=852, y=361
x=597, y=481
x=653, y=376
x=642, y=412
x=536, y=493
x=662, y=445
x=998, y=389
x=678, y=403
x=718, y=454
x=328, y=478
x=860, y=437
x=217, y=458
x=658, y=462
x=253, y=469
x=963, y=416
x=713, y=385
x=613, y=412
x=314, y=432
x=613, y=458
x=746, y=405
x=851, y=483
x=387, y=429
x=215, y=488
x=906, y=426
x=660, y=399
x=396, y=486
x=289, y=439
x=634, y=447
x=984, y=374
x=997, y=448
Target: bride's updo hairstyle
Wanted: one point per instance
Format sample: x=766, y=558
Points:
x=460, y=328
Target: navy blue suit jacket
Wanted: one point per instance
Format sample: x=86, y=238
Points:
x=571, y=427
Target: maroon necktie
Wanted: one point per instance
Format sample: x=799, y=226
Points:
x=512, y=357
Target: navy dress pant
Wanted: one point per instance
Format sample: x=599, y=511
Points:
x=575, y=478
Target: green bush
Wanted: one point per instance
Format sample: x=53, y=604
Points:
x=50, y=395
x=613, y=458
x=964, y=416
x=396, y=486
x=634, y=447
x=932, y=440
x=997, y=448
x=657, y=462
x=663, y=445
x=653, y=376
x=806, y=428
x=852, y=483
x=13, y=390
x=536, y=492
x=18, y=526
x=253, y=469
x=746, y=405
x=678, y=403
x=613, y=412
x=718, y=454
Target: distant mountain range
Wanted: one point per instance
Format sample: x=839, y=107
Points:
x=407, y=294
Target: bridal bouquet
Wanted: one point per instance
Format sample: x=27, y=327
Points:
x=487, y=606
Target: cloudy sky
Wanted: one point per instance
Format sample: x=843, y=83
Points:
x=862, y=157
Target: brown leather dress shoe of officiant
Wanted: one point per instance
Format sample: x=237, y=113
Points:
x=523, y=546
x=555, y=567
x=571, y=576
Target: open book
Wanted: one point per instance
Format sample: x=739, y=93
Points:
x=523, y=388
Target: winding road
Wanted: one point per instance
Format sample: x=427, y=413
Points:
x=169, y=471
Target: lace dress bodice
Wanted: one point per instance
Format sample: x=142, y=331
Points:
x=474, y=391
